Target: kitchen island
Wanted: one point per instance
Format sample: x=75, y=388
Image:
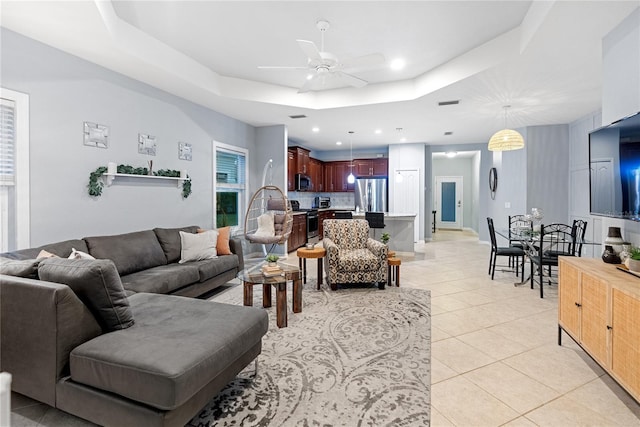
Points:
x=400, y=227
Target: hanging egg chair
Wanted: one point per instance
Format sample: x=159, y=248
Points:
x=269, y=218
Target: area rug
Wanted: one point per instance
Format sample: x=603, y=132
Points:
x=353, y=357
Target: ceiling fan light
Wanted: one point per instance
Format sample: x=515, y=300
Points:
x=506, y=140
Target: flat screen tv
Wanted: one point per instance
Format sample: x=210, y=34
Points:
x=614, y=159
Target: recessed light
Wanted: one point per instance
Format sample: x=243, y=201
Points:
x=309, y=76
x=451, y=154
x=403, y=139
x=338, y=142
x=378, y=131
x=315, y=129
x=397, y=64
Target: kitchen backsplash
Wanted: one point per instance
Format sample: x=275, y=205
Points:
x=338, y=200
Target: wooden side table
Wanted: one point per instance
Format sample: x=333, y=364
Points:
x=303, y=254
x=394, y=271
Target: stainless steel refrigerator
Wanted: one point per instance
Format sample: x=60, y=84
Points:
x=371, y=195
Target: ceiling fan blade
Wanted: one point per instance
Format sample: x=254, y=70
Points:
x=277, y=67
x=310, y=49
x=308, y=84
x=364, y=61
x=351, y=80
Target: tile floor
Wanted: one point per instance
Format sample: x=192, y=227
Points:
x=495, y=358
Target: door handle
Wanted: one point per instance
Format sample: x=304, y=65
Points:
x=459, y=203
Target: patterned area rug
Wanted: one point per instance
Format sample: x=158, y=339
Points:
x=354, y=357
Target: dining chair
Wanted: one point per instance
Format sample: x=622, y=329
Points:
x=517, y=225
x=555, y=240
x=496, y=251
x=578, y=231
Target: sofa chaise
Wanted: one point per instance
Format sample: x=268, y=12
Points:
x=74, y=338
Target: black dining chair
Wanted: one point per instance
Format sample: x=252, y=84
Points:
x=496, y=251
x=343, y=215
x=578, y=231
x=518, y=224
x=555, y=240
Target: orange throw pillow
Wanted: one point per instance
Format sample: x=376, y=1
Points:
x=222, y=245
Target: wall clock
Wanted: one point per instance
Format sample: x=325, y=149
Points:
x=493, y=182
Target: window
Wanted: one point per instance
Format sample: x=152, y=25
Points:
x=14, y=170
x=230, y=177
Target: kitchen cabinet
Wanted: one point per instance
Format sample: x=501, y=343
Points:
x=298, y=236
x=329, y=175
x=340, y=174
x=371, y=167
x=291, y=170
x=322, y=215
x=315, y=172
x=301, y=160
x=599, y=308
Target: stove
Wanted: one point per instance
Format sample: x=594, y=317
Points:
x=312, y=220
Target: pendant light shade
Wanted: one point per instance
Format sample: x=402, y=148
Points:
x=506, y=139
x=351, y=178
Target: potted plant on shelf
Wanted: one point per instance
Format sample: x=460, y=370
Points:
x=272, y=259
x=633, y=261
x=384, y=238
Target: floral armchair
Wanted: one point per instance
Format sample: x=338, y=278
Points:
x=352, y=256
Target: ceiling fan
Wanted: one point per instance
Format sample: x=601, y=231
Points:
x=325, y=65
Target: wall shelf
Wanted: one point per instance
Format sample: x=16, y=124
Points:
x=109, y=177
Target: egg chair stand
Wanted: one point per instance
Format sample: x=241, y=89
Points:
x=269, y=218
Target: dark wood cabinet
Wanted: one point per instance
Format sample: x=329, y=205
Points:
x=302, y=160
x=315, y=172
x=335, y=176
x=298, y=235
x=291, y=170
x=321, y=217
x=371, y=167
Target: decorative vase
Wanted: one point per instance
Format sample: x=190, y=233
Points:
x=633, y=265
x=614, y=239
x=610, y=256
x=272, y=264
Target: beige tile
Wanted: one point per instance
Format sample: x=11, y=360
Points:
x=20, y=401
x=604, y=396
x=448, y=302
x=466, y=404
x=454, y=324
x=512, y=387
x=520, y=422
x=440, y=371
x=564, y=411
x=439, y=420
x=28, y=416
x=495, y=345
x=459, y=356
x=560, y=368
x=438, y=334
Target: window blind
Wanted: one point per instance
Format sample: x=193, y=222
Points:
x=230, y=168
x=7, y=142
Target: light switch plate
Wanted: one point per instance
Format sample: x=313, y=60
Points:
x=507, y=205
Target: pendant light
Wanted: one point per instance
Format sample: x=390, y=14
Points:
x=351, y=178
x=506, y=139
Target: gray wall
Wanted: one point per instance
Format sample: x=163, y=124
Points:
x=64, y=92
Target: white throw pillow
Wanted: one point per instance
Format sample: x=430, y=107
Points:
x=265, y=226
x=198, y=246
x=79, y=255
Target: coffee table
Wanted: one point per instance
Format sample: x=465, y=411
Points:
x=253, y=276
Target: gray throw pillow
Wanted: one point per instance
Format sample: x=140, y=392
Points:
x=169, y=239
x=27, y=268
x=97, y=284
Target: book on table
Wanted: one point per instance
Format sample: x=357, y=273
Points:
x=269, y=271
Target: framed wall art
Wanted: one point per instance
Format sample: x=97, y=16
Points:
x=96, y=135
x=184, y=151
x=146, y=144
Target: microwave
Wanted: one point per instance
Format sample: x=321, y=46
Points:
x=303, y=182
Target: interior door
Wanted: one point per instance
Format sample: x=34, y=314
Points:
x=448, y=203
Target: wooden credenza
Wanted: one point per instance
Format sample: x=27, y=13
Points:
x=599, y=307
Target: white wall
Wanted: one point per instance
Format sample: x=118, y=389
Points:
x=64, y=92
x=409, y=156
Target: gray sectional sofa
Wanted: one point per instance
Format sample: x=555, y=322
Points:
x=114, y=340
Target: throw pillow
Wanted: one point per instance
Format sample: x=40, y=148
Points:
x=199, y=246
x=265, y=226
x=222, y=246
x=46, y=254
x=79, y=254
x=27, y=268
x=97, y=284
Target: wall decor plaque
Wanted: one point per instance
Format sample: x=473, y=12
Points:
x=184, y=151
x=146, y=144
x=96, y=135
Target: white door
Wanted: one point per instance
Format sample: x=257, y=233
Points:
x=448, y=203
x=602, y=198
x=406, y=196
